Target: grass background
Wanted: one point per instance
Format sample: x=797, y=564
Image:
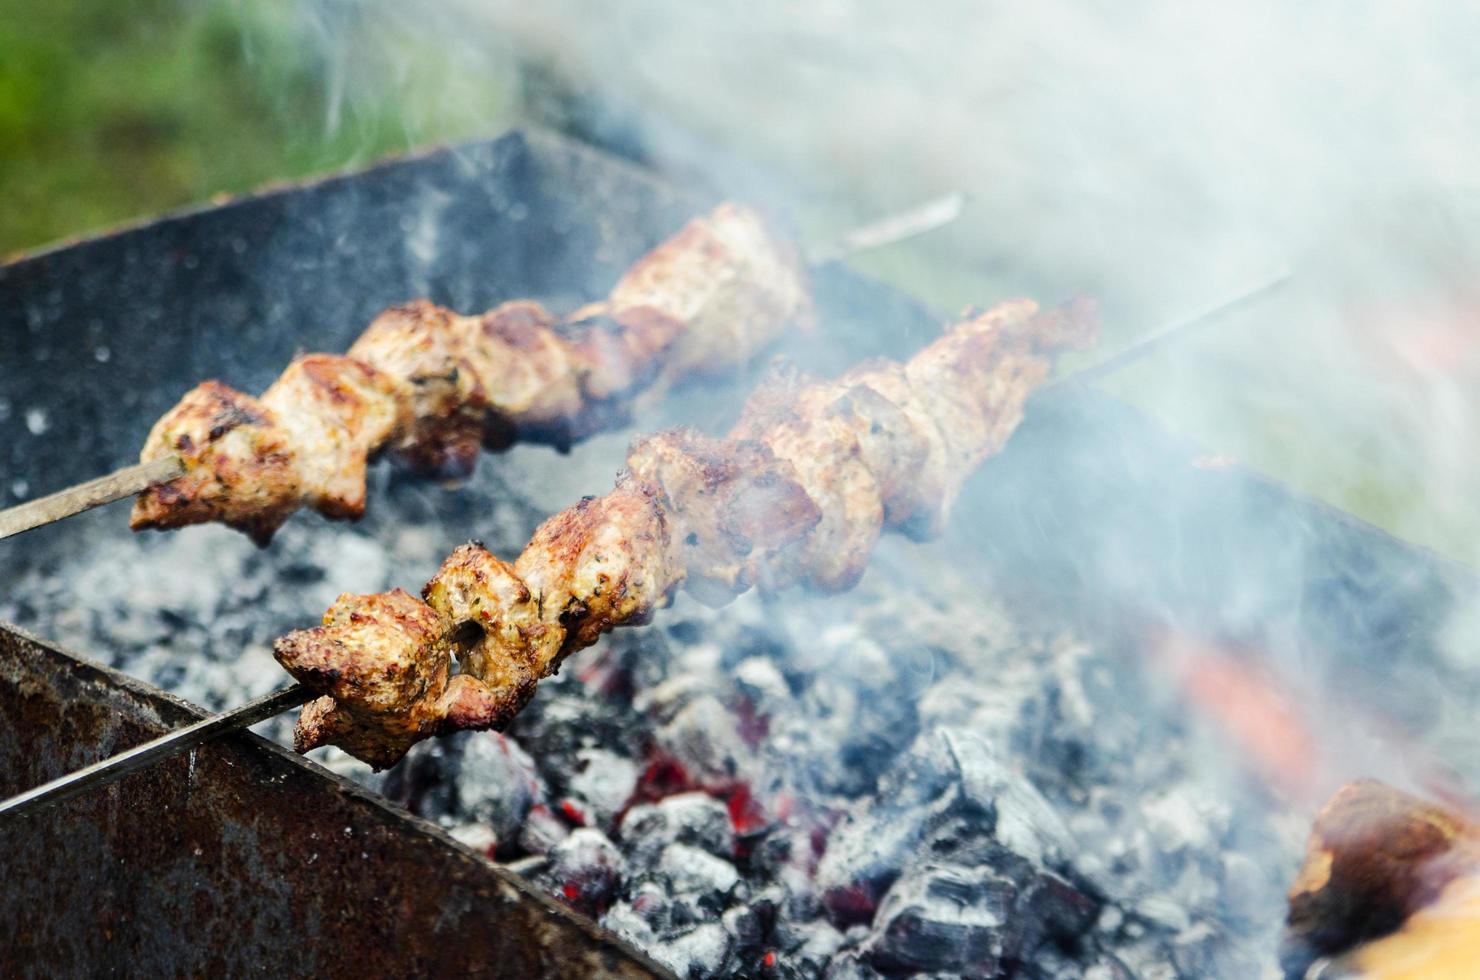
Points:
x=115, y=110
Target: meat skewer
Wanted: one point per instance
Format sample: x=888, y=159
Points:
x=430, y=385
x=797, y=494
x=107, y=771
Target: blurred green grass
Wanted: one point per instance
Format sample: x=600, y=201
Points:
x=117, y=110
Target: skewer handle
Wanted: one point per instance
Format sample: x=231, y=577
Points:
x=116, y=767
x=85, y=496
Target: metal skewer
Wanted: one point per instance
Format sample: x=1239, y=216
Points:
x=85, y=496
x=116, y=767
x=104, y=772
x=897, y=227
x=134, y=479
x=1180, y=331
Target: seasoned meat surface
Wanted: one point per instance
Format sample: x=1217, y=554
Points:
x=433, y=386
x=797, y=494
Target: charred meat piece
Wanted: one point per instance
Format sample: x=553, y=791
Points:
x=1381, y=863
x=381, y=701
x=797, y=494
x=432, y=386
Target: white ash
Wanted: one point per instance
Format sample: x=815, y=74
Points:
x=795, y=787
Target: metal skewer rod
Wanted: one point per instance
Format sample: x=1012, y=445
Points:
x=1178, y=332
x=85, y=496
x=933, y=214
x=116, y=767
x=134, y=479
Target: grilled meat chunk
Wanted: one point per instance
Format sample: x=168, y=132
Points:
x=431, y=385
x=385, y=698
x=238, y=462
x=797, y=494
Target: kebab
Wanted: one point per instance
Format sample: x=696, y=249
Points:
x=188, y=737
x=797, y=494
x=429, y=385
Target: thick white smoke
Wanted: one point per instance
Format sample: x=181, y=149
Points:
x=1158, y=155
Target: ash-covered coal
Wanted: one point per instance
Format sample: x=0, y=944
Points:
x=878, y=784
x=899, y=781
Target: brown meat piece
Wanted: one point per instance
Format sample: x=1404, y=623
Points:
x=799, y=492
x=419, y=343
x=814, y=428
x=738, y=509
x=239, y=465
x=725, y=285
x=605, y=562
x=337, y=411
x=250, y=463
x=385, y=698
x=1375, y=857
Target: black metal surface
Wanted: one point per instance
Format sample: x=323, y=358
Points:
x=239, y=859
x=241, y=865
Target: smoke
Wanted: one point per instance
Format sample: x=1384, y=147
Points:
x=1157, y=155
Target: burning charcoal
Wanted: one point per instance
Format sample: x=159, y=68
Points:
x=1026, y=823
x=851, y=965
x=1050, y=908
x=496, y=785
x=480, y=837
x=1107, y=967
x=647, y=910
x=704, y=737
x=628, y=923
x=542, y=830
x=646, y=657
x=868, y=726
x=1165, y=913
x=952, y=792
x=601, y=786
x=747, y=934
x=699, y=878
x=700, y=952
x=943, y=917
x=865, y=856
x=1184, y=819
x=584, y=871
x=1073, y=728
x=559, y=724
x=761, y=682
x=789, y=855
x=803, y=949
x=1202, y=952
x=688, y=818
